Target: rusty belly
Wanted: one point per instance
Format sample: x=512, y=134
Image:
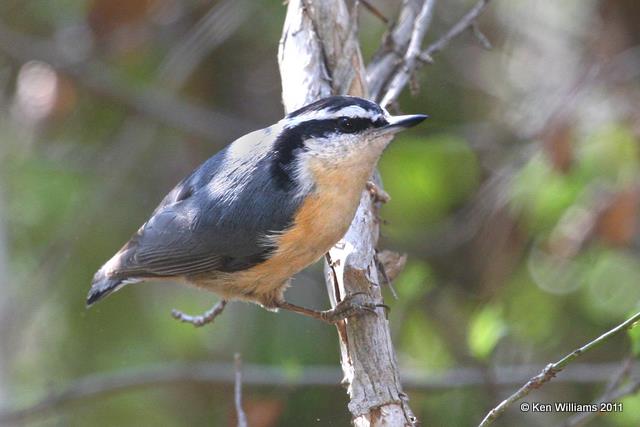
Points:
x=321, y=221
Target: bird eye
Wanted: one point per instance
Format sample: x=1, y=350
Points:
x=346, y=124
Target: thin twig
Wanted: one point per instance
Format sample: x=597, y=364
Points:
x=461, y=26
x=552, y=369
x=612, y=389
x=384, y=63
x=385, y=276
x=213, y=29
x=631, y=388
x=237, y=391
x=484, y=40
x=620, y=376
x=204, y=319
x=374, y=11
x=410, y=60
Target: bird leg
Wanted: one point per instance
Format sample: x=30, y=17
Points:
x=346, y=308
x=203, y=319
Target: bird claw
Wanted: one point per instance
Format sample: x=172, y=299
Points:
x=348, y=307
x=378, y=194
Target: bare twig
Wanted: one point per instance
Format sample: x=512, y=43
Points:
x=467, y=21
x=410, y=60
x=237, y=391
x=149, y=102
x=374, y=11
x=620, y=376
x=320, y=55
x=552, y=369
x=385, y=61
x=213, y=29
x=95, y=386
x=581, y=419
x=482, y=39
x=383, y=272
x=614, y=386
x=204, y=319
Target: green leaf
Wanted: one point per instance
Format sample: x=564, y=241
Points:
x=485, y=330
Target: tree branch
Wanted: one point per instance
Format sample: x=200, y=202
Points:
x=150, y=102
x=552, y=369
x=320, y=55
x=410, y=60
x=385, y=61
x=386, y=75
x=466, y=22
x=213, y=29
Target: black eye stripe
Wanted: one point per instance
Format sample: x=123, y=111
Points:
x=325, y=127
x=353, y=124
x=292, y=139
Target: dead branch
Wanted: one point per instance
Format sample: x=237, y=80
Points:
x=385, y=61
x=397, y=59
x=410, y=59
x=320, y=55
x=467, y=21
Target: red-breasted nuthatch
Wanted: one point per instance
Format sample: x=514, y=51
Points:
x=263, y=208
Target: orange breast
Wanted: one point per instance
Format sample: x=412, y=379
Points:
x=322, y=220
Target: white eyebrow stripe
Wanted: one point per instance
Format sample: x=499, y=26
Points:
x=349, y=111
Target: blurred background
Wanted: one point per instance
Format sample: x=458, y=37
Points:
x=517, y=204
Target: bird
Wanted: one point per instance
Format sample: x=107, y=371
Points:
x=262, y=209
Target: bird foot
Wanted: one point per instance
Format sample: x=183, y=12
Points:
x=205, y=318
x=348, y=307
x=378, y=194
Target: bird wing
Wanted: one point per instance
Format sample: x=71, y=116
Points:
x=217, y=219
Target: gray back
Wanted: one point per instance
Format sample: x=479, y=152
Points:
x=216, y=219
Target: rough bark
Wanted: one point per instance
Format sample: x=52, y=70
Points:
x=319, y=55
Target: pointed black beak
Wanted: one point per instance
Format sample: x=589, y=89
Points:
x=398, y=123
